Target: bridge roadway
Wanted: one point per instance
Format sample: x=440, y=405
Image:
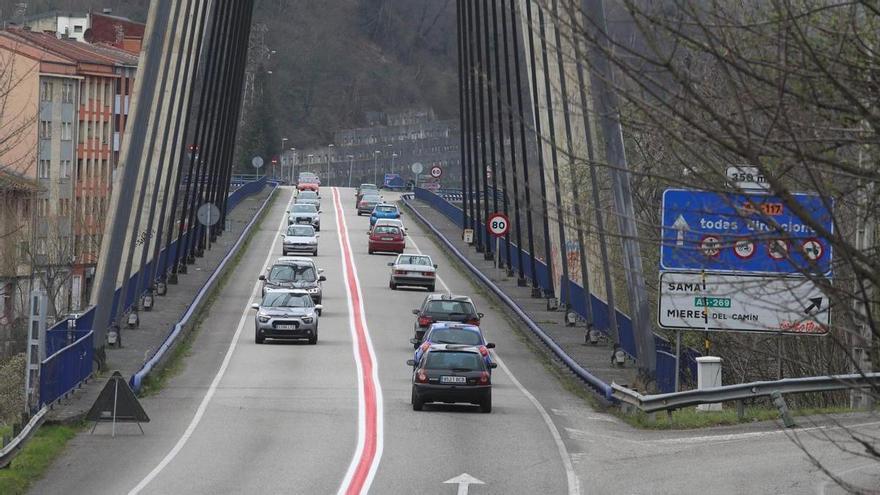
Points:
x=294, y=418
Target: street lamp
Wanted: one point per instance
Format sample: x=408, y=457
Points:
x=350, y=165
x=329, y=150
x=293, y=164
x=393, y=156
x=283, y=140
x=310, y=161
x=376, y=167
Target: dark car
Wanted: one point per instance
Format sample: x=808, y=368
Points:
x=365, y=189
x=293, y=272
x=367, y=202
x=443, y=307
x=452, y=373
x=454, y=333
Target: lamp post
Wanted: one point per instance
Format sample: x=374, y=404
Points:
x=350, y=165
x=293, y=164
x=329, y=150
x=376, y=167
x=393, y=156
x=310, y=161
x=281, y=153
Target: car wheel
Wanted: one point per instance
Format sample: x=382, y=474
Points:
x=315, y=252
x=431, y=288
x=416, y=403
x=314, y=338
x=259, y=339
x=486, y=405
x=392, y=285
x=369, y=251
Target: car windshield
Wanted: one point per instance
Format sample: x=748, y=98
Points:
x=407, y=259
x=293, y=273
x=445, y=307
x=454, y=336
x=446, y=360
x=301, y=208
x=301, y=231
x=387, y=229
x=287, y=300
x=386, y=209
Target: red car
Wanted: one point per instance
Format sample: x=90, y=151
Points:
x=308, y=184
x=386, y=238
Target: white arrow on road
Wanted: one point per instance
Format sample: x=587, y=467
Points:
x=681, y=226
x=463, y=481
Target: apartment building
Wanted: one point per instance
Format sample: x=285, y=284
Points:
x=80, y=114
x=91, y=27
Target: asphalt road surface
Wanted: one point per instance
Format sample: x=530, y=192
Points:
x=336, y=417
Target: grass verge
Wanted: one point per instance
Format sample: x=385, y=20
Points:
x=681, y=419
x=36, y=456
x=176, y=362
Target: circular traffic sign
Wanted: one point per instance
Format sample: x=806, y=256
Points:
x=416, y=168
x=778, y=249
x=498, y=224
x=710, y=245
x=436, y=172
x=208, y=214
x=744, y=248
x=812, y=249
x=257, y=161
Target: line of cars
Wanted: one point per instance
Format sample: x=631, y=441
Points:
x=451, y=361
x=292, y=287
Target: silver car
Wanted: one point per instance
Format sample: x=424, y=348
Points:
x=300, y=239
x=309, y=198
x=304, y=214
x=286, y=314
x=415, y=270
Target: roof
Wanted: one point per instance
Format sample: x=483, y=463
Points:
x=10, y=181
x=81, y=53
x=50, y=14
x=123, y=57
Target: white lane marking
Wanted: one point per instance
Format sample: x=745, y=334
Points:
x=571, y=477
x=356, y=460
x=203, y=406
x=823, y=486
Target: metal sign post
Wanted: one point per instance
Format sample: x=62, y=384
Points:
x=35, y=347
x=497, y=224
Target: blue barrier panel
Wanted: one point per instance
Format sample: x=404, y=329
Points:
x=63, y=370
x=665, y=372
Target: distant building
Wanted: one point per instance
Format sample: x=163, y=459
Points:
x=393, y=143
x=67, y=24
x=92, y=27
x=72, y=101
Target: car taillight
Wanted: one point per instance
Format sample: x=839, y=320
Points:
x=484, y=351
x=421, y=377
x=484, y=377
x=428, y=274
x=473, y=321
x=425, y=321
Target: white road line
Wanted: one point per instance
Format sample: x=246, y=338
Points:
x=573, y=481
x=203, y=406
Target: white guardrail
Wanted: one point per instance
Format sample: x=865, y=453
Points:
x=8, y=452
x=742, y=391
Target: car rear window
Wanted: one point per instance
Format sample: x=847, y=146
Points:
x=387, y=229
x=414, y=260
x=448, y=307
x=386, y=209
x=454, y=336
x=448, y=360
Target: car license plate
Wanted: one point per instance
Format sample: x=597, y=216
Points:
x=286, y=327
x=453, y=379
x=387, y=239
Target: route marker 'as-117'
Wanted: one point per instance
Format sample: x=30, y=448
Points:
x=743, y=303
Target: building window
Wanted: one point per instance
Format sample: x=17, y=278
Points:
x=43, y=207
x=65, y=169
x=23, y=250
x=77, y=29
x=45, y=129
x=41, y=246
x=46, y=91
x=67, y=92
x=66, y=131
x=64, y=207
x=43, y=172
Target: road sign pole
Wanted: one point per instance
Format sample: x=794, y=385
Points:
x=677, y=360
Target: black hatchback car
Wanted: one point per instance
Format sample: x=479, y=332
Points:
x=452, y=373
x=443, y=307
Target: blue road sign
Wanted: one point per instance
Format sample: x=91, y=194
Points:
x=752, y=233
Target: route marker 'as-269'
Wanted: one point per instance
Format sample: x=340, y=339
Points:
x=498, y=224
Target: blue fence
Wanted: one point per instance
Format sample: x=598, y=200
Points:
x=61, y=336
x=665, y=367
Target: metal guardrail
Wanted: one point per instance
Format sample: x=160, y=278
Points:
x=597, y=384
x=8, y=452
x=742, y=391
x=136, y=381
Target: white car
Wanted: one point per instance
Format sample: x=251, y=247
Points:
x=300, y=239
x=416, y=270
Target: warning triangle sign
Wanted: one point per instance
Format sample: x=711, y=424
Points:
x=117, y=403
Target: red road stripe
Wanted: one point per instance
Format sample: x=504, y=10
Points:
x=368, y=385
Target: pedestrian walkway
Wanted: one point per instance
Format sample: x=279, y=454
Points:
x=139, y=344
x=595, y=358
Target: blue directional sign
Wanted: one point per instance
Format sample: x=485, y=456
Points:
x=751, y=233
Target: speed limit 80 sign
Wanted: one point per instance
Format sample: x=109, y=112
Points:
x=498, y=224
